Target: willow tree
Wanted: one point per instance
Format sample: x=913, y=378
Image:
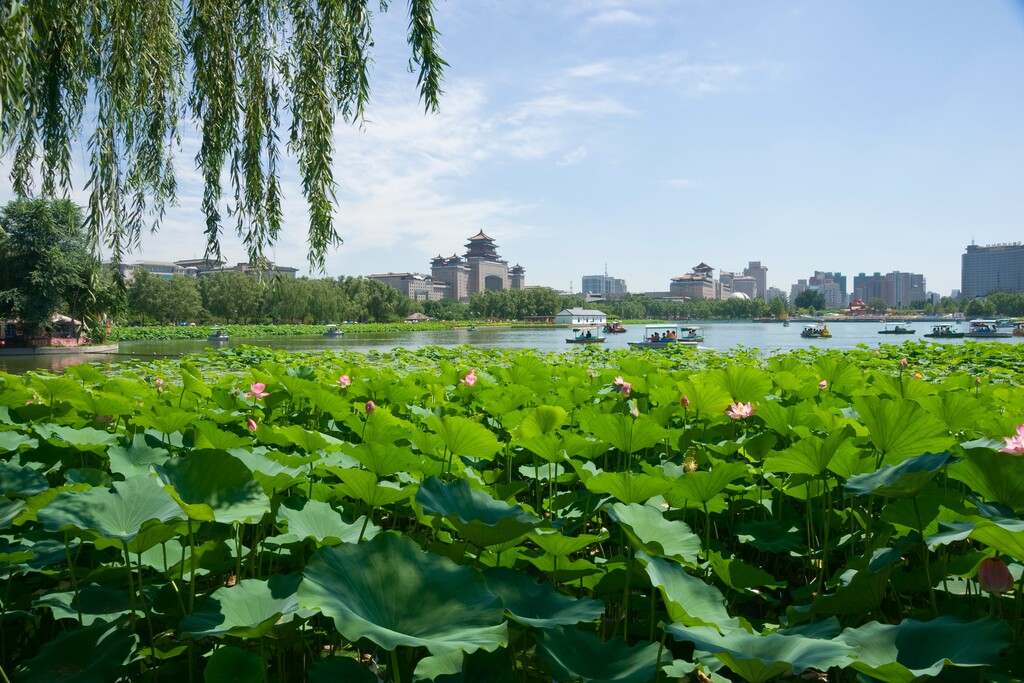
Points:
x=121, y=77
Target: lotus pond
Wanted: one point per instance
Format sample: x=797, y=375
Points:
x=480, y=515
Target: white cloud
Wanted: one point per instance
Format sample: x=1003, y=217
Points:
x=573, y=157
x=683, y=183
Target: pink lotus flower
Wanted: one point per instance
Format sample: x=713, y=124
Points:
x=739, y=411
x=250, y=424
x=370, y=407
x=470, y=379
x=635, y=412
x=685, y=401
x=822, y=385
x=1015, y=443
x=344, y=380
x=158, y=381
x=994, y=576
x=256, y=391
x=903, y=362
x=625, y=388
x=159, y=385
x=619, y=381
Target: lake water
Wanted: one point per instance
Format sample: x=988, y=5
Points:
x=767, y=337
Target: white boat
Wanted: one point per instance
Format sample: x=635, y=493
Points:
x=217, y=334
x=334, y=331
x=664, y=336
x=816, y=331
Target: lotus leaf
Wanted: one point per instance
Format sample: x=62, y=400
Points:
x=742, y=383
x=539, y=605
x=232, y=664
x=758, y=658
x=96, y=603
x=119, y=512
x=12, y=441
x=135, y=459
x=914, y=650
x=211, y=485
x=248, y=609
x=390, y=592
x=900, y=428
x=16, y=480
x=364, y=486
x=998, y=477
x=83, y=655
x=905, y=480
x=320, y=522
x=648, y=530
x=689, y=600
x=626, y=433
x=462, y=436
x=478, y=518
x=628, y=487
x=574, y=654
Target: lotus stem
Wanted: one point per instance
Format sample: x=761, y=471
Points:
x=71, y=573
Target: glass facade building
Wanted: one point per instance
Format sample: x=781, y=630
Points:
x=993, y=268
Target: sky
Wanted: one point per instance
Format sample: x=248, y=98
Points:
x=647, y=136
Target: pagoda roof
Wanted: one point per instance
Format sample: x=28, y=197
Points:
x=480, y=236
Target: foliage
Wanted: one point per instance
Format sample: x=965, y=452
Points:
x=637, y=306
x=116, y=75
x=171, y=519
x=810, y=298
x=46, y=266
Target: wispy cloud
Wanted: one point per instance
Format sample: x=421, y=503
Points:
x=573, y=157
x=690, y=76
x=683, y=183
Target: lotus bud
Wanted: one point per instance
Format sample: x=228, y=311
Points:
x=994, y=576
x=370, y=407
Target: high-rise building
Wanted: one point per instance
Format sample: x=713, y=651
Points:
x=746, y=285
x=992, y=268
x=896, y=289
x=699, y=283
x=603, y=285
x=755, y=270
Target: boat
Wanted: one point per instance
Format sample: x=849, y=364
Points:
x=945, y=331
x=785, y=323
x=898, y=328
x=986, y=329
x=614, y=327
x=217, y=334
x=816, y=331
x=1018, y=329
x=586, y=334
x=663, y=336
x=334, y=331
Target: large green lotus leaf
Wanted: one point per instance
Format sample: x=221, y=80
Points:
x=998, y=477
x=464, y=437
x=627, y=433
x=305, y=440
x=702, y=487
x=95, y=602
x=770, y=535
x=384, y=459
x=539, y=604
x=335, y=669
x=742, y=382
x=689, y=600
x=900, y=428
x=232, y=664
x=811, y=455
x=559, y=545
x=364, y=486
x=380, y=427
x=210, y=437
x=16, y=480
x=739, y=575
x=166, y=419
x=135, y=459
x=319, y=521
x=547, y=447
x=249, y=609
x=958, y=410
x=840, y=374
x=390, y=592
x=578, y=655
x=758, y=658
x=11, y=441
x=85, y=438
x=859, y=592
x=540, y=421
x=914, y=650
x=57, y=389
x=118, y=513
x=91, y=654
x=274, y=471
x=1004, y=535
x=628, y=487
x=88, y=374
x=579, y=446
x=782, y=419
x=9, y=511
x=648, y=530
x=435, y=666
x=478, y=518
x=215, y=486
x=193, y=384
x=904, y=480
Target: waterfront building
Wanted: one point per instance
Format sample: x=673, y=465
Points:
x=747, y=285
x=897, y=289
x=200, y=267
x=580, y=316
x=992, y=268
x=480, y=270
x=755, y=270
x=158, y=268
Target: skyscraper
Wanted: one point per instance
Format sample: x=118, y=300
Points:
x=993, y=268
x=755, y=270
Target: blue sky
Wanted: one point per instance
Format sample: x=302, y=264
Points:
x=651, y=135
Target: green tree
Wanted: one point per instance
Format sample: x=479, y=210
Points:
x=877, y=305
x=232, y=296
x=46, y=265
x=777, y=306
x=118, y=74
x=810, y=298
x=152, y=298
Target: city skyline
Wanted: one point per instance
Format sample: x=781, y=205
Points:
x=669, y=134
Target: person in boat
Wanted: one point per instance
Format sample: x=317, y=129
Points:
x=655, y=337
x=588, y=335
